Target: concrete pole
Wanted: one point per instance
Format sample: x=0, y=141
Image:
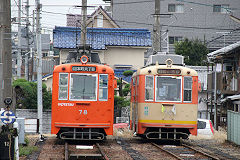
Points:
x=84, y=26
x=156, y=29
x=5, y=50
x=33, y=49
x=39, y=65
x=27, y=38
x=19, y=56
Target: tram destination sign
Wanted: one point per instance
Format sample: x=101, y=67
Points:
x=168, y=71
x=84, y=68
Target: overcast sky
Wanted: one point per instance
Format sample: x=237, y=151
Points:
x=59, y=7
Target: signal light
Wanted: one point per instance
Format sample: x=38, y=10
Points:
x=84, y=59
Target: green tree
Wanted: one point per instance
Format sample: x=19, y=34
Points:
x=194, y=52
x=120, y=102
x=26, y=93
x=128, y=73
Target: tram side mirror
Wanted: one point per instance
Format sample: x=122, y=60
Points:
x=115, y=83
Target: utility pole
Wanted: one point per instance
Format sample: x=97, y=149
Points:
x=19, y=55
x=156, y=29
x=84, y=26
x=33, y=46
x=5, y=51
x=27, y=38
x=39, y=64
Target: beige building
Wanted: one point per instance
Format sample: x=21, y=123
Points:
x=120, y=48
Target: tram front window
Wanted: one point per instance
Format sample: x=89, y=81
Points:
x=168, y=89
x=83, y=87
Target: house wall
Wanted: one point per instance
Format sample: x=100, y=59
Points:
x=116, y=55
x=63, y=55
x=106, y=23
x=197, y=21
x=48, y=83
x=126, y=56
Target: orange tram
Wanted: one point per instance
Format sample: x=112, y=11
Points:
x=82, y=101
x=164, y=102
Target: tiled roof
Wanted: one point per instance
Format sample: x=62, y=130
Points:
x=99, y=38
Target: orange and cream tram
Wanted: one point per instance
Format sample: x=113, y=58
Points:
x=82, y=101
x=164, y=102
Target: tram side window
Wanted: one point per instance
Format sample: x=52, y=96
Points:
x=63, y=86
x=103, y=87
x=149, y=88
x=187, y=89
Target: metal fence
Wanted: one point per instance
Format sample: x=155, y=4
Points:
x=233, y=127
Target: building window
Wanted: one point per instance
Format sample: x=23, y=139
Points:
x=100, y=20
x=174, y=39
x=221, y=8
x=176, y=8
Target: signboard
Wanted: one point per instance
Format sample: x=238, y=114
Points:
x=8, y=117
x=169, y=71
x=84, y=68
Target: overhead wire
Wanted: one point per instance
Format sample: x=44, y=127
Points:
x=149, y=24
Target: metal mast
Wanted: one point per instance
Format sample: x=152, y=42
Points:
x=27, y=38
x=19, y=56
x=39, y=65
x=156, y=29
x=84, y=26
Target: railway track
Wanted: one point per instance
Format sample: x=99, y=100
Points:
x=84, y=152
x=184, y=151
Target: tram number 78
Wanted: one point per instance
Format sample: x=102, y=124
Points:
x=83, y=112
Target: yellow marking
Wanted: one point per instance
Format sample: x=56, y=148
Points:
x=168, y=121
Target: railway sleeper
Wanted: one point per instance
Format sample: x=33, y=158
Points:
x=85, y=156
x=82, y=134
x=167, y=133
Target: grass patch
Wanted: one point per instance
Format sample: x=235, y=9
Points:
x=29, y=148
x=123, y=132
x=221, y=135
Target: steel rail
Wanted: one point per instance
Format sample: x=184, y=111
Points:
x=66, y=151
x=201, y=152
x=172, y=154
x=101, y=152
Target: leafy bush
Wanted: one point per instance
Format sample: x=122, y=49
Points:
x=26, y=93
x=121, y=102
x=128, y=73
x=126, y=90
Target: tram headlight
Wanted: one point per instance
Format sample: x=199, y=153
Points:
x=169, y=62
x=84, y=59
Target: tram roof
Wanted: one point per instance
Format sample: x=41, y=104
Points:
x=154, y=69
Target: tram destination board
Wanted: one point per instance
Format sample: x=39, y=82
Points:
x=168, y=71
x=84, y=68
